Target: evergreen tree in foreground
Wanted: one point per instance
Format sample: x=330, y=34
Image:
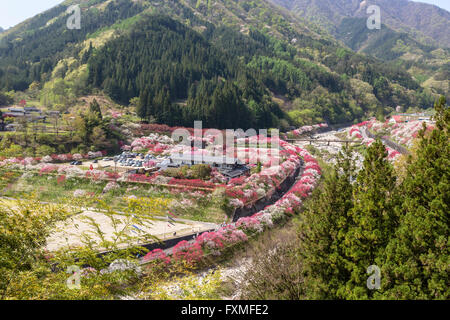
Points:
x=417, y=259
x=372, y=220
x=322, y=231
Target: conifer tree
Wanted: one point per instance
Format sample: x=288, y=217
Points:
x=417, y=259
x=372, y=220
x=94, y=107
x=322, y=231
x=87, y=54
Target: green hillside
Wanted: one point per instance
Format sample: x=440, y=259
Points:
x=423, y=62
x=424, y=22
x=413, y=35
x=178, y=61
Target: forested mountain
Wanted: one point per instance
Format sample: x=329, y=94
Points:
x=428, y=64
x=413, y=35
x=229, y=63
x=424, y=21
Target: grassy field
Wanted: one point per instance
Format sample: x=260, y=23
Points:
x=48, y=188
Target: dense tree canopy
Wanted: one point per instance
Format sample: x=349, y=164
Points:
x=396, y=224
x=416, y=261
x=180, y=77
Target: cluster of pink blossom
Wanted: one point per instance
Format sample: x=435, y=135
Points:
x=303, y=187
x=11, y=162
x=405, y=133
x=115, y=114
x=157, y=255
x=246, y=192
x=214, y=242
x=48, y=168
x=154, y=142
x=111, y=186
x=200, y=140
x=149, y=143
x=307, y=129
x=401, y=132
x=267, y=156
x=64, y=157
x=150, y=164
x=376, y=126
x=72, y=171
x=211, y=242
x=54, y=158
x=355, y=132
x=144, y=143
x=29, y=161
x=190, y=252
x=207, y=243
x=392, y=154
x=196, y=183
x=97, y=175
x=180, y=149
x=250, y=225
x=217, y=177
x=47, y=159
x=69, y=157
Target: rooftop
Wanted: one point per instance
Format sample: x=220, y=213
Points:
x=204, y=159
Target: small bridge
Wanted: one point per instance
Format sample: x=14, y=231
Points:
x=327, y=142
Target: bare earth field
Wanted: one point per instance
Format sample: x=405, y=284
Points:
x=70, y=231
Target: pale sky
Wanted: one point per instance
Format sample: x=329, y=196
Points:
x=13, y=12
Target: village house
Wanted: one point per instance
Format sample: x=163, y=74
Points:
x=407, y=117
x=229, y=167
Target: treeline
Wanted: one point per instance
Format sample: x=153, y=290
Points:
x=184, y=70
x=376, y=233
x=391, y=84
x=39, y=49
x=180, y=76
x=79, y=133
x=5, y=99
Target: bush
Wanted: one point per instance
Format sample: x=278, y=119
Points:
x=44, y=150
x=201, y=171
x=196, y=172
x=173, y=173
x=276, y=271
x=12, y=151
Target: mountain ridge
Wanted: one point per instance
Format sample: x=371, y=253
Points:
x=274, y=59
x=426, y=22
